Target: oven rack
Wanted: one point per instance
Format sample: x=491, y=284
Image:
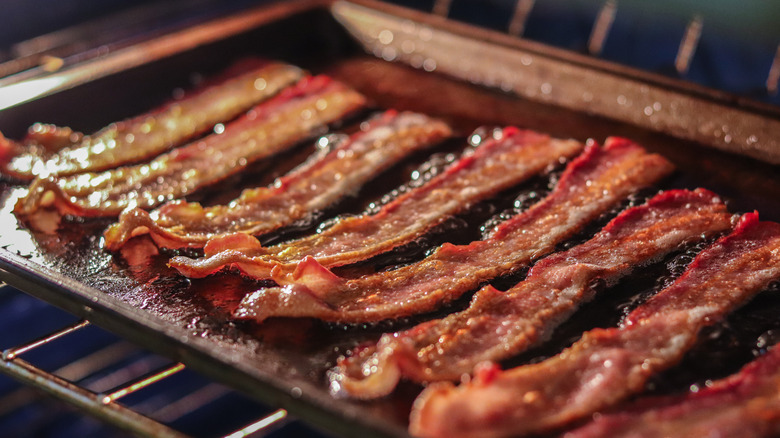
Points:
x=72, y=383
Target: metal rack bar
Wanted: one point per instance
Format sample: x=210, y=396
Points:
x=11, y=353
x=688, y=45
x=265, y=423
x=86, y=400
x=601, y=27
x=62, y=389
x=104, y=406
x=442, y=8
x=774, y=74
x=73, y=372
x=142, y=383
x=520, y=17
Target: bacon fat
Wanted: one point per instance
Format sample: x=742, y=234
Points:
x=498, y=324
x=149, y=134
x=275, y=125
x=494, y=165
x=744, y=404
x=593, y=182
x=321, y=181
x=607, y=365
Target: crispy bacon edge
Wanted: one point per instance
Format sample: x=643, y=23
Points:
x=385, y=140
x=109, y=192
x=744, y=404
x=519, y=154
x=497, y=325
x=49, y=150
x=607, y=365
x=313, y=291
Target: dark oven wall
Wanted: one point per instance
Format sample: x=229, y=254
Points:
x=735, y=42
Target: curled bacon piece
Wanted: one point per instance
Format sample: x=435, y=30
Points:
x=323, y=180
x=493, y=166
x=744, y=404
x=498, y=324
x=42, y=140
x=268, y=128
x=607, y=365
x=149, y=134
x=597, y=179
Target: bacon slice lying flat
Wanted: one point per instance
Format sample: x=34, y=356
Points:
x=745, y=404
x=495, y=165
x=314, y=186
x=270, y=127
x=500, y=324
x=591, y=183
x=152, y=133
x=607, y=365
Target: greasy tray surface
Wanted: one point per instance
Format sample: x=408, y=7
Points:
x=283, y=362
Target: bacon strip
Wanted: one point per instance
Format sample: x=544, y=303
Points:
x=495, y=165
x=320, y=182
x=744, y=404
x=269, y=128
x=152, y=133
x=498, y=324
x=607, y=365
x=594, y=181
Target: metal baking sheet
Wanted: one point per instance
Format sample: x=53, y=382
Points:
x=400, y=59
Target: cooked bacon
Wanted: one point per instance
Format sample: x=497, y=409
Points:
x=744, y=404
x=495, y=165
x=149, y=134
x=268, y=128
x=607, y=365
x=326, y=178
x=500, y=324
x=594, y=181
x=45, y=139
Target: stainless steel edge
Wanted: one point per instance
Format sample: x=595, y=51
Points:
x=14, y=91
x=235, y=367
x=595, y=87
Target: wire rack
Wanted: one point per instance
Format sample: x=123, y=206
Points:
x=97, y=382
x=106, y=382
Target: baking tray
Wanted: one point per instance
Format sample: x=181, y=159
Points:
x=405, y=60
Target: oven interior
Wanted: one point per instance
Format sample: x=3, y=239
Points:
x=141, y=301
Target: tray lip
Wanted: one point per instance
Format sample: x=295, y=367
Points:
x=570, y=57
x=205, y=356
x=687, y=111
x=150, y=331
x=24, y=88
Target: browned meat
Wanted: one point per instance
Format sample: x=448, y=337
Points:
x=269, y=128
x=592, y=183
x=498, y=324
x=324, y=179
x=744, y=404
x=149, y=134
x=495, y=165
x=607, y=365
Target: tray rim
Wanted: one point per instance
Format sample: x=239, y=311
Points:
x=706, y=113
x=572, y=57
